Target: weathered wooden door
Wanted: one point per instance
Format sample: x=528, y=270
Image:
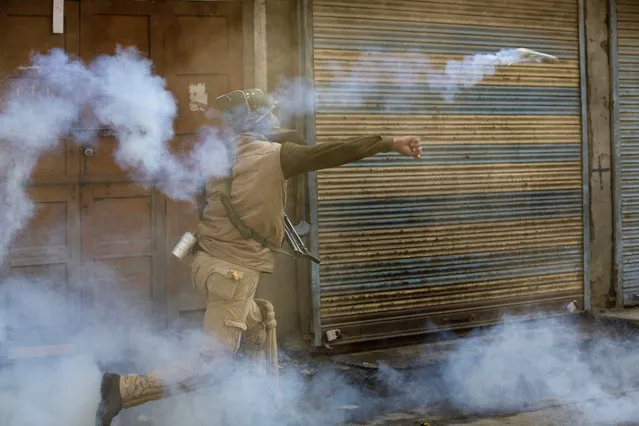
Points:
x=94, y=227
x=203, y=59
x=122, y=222
x=198, y=48
x=48, y=252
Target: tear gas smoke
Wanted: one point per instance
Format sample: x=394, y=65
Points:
x=59, y=97
x=472, y=70
x=118, y=334
x=511, y=371
x=359, y=87
x=295, y=97
x=517, y=367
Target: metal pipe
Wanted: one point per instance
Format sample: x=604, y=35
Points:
x=306, y=45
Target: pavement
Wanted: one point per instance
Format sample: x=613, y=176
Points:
x=605, y=351
x=558, y=415
x=404, y=385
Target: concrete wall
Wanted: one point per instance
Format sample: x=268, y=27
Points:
x=289, y=284
x=599, y=136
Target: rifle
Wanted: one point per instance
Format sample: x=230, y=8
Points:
x=296, y=242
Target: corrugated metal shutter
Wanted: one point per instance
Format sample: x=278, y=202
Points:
x=627, y=134
x=490, y=220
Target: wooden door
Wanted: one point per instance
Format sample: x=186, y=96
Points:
x=47, y=252
x=122, y=222
x=203, y=60
x=95, y=231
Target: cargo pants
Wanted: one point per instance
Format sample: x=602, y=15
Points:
x=234, y=320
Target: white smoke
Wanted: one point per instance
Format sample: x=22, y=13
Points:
x=527, y=364
x=521, y=366
x=587, y=369
x=512, y=367
x=355, y=84
x=33, y=118
x=472, y=70
x=117, y=336
x=60, y=97
x=295, y=97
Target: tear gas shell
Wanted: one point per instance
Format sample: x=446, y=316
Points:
x=533, y=55
x=184, y=246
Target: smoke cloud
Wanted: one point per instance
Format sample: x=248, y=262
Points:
x=358, y=85
x=514, y=366
x=295, y=97
x=118, y=335
x=472, y=70
x=526, y=365
x=58, y=97
x=519, y=366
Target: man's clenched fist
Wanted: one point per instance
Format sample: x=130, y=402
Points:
x=408, y=145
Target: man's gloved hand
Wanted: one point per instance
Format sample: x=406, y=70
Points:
x=408, y=145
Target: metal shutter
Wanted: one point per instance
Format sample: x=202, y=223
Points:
x=490, y=221
x=626, y=70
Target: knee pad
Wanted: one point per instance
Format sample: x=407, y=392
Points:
x=268, y=313
x=254, y=339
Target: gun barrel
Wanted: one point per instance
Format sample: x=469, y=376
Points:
x=291, y=240
x=289, y=225
x=296, y=242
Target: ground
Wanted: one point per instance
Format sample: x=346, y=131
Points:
x=566, y=372
x=589, y=375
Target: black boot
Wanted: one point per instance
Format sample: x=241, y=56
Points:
x=111, y=400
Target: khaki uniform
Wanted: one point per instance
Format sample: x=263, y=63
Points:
x=226, y=270
x=227, y=267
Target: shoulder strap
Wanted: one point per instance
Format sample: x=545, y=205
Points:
x=200, y=198
x=239, y=224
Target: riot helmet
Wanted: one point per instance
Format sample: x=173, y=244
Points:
x=249, y=110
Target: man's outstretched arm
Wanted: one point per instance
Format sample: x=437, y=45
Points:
x=297, y=159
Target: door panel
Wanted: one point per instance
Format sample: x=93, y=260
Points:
x=26, y=33
x=117, y=246
x=183, y=303
x=107, y=31
x=195, y=94
x=104, y=28
x=25, y=28
x=123, y=223
x=56, y=162
x=93, y=224
x=46, y=305
x=103, y=161
x=47, y=254
x=203, y=60
x=199, y=44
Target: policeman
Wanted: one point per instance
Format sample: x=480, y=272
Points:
x=240, y=231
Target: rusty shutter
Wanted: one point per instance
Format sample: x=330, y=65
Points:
x=626, y=125
x=490, y=221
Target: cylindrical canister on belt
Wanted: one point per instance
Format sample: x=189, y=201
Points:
x=184, y=246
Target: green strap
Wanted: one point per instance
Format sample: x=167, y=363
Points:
x=239, y=224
